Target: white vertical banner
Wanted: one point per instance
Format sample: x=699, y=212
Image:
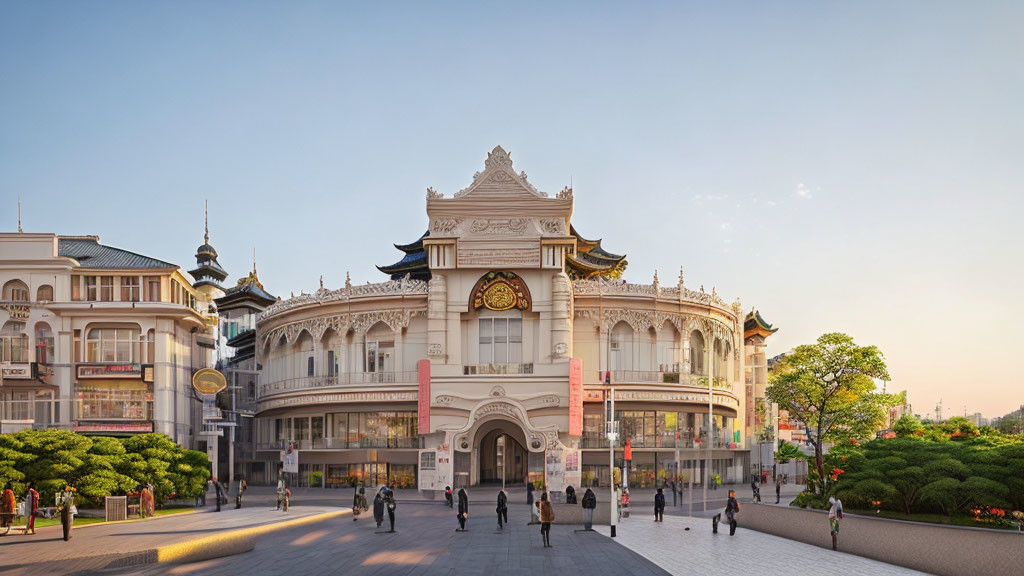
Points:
x=573, y=467
x=555, y=470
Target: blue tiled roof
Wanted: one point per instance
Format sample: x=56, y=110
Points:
x=89, y=253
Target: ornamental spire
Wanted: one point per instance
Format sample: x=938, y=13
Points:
x=19, y=214
x=206, y=222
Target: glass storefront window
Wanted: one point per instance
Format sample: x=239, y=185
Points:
x=110, y=403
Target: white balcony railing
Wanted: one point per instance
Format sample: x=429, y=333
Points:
x=336, y=380
x=487, y=369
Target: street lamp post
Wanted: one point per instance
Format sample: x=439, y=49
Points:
x=612, y=432
x=711, y=424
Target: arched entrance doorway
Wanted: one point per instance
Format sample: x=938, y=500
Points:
x=502, y=455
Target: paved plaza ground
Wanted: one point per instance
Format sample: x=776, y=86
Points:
x=426, y=543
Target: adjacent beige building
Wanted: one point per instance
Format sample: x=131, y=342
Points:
x=98, y=339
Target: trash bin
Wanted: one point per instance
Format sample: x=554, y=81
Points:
x=116, y=508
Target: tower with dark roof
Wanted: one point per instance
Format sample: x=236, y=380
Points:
x=208, y=272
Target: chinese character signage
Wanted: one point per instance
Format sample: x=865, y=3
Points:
x=109, y=371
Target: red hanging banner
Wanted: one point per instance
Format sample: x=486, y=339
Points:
x=575, y=396
x=424, y=396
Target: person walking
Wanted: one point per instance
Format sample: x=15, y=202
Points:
x=835, y=514
x=502, y=509
x=672, y=487
x=547, y=516
x=732, y=507
x=242, y=487
x=659, y=506
x=390, y=505
x=218, y=490
x=529, y=494
x=378, y=507
x=67, y=511
x=755, y=489
x=280, y=491
x=589, y=504
x=778, y=490
x=463, y=512
x=31, y=505
x=448, y=496
x=358, y=502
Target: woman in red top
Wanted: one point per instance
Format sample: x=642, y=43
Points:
x=31, y=506
x=8, y=505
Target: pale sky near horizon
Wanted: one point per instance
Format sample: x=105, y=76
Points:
x=850, y=167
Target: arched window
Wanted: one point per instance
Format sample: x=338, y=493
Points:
x=44, y=293
x=380, y=348
x=15, y=290
x=697, y=353
x=620, y=347
x=13, y=342
x=304, y=354
x=44, y=343
x=120, y=344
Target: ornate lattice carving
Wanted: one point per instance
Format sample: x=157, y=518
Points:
x=499, y=226
x=553, y=226
x=445, y=225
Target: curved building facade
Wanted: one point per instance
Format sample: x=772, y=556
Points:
x=490, y=356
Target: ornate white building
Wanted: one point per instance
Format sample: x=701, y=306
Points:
x=490, y=353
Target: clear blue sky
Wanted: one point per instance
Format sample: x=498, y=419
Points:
x=846, y=167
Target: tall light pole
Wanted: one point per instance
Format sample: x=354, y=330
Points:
x=612, y=432
x=711, y=417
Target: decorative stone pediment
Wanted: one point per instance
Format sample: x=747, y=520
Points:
x=499, y=178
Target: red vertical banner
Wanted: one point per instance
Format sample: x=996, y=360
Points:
x=424, y=396
x=575, y=396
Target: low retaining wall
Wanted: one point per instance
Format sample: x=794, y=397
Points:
x=933, y=548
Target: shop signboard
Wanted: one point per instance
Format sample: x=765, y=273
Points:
x=555, y=470
x=86, y=371
x=114, y=427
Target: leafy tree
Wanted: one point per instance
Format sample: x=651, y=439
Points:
x=830, y=387
x=907, y=425
x=787, y=452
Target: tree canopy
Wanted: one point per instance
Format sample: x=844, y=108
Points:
x=830, y=386
x=100, y=466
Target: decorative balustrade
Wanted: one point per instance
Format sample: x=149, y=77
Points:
x=336, y=380
x=343, y=444
x=661, y=377
x=492, y=369
x=618, y=287
x=403, y=287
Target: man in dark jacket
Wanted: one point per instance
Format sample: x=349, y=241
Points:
x=589, y=504
x=390, y=505
x=778, y=490
x=732, y=507
x=570, y=495
x=448, y=496
x=463, y=509
x=659, y=506
x=358, y=502
x=502, y=509
x=378, y=507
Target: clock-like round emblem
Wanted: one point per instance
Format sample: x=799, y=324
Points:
x=500, y=296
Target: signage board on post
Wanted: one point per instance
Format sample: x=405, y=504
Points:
x=290, y=460
x=435, y=470
x=209, y=381
x=573, y=469
x=555, y=470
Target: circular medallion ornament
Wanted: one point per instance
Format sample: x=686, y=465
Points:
x=209, y=381
x=500, y=296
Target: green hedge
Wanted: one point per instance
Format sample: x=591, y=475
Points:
x=100, y=466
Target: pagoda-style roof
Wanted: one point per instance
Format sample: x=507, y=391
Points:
x=755, y=325
x=414, y=263
x=207, y=271
x=591, y=260
x=249, y=290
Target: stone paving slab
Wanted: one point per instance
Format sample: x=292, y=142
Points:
x=97, y=545
x=699, y=552
x=426, y=544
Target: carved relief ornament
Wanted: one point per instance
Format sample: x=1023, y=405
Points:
x=499, y=291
